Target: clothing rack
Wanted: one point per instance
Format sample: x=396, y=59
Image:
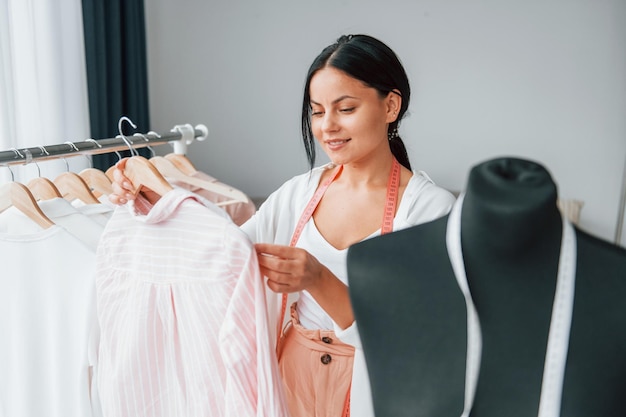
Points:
x=179, y=137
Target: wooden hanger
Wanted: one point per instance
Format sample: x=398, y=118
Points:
x=109, y=173
x=142, y=173
x=182, y=163
x=169, y=170
x=43, y=189
x=72, y=187
x=97, y=180
x=18, y=195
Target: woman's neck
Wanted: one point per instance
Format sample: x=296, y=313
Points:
x=370, y=173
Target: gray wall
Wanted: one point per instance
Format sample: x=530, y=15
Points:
x=543, y=80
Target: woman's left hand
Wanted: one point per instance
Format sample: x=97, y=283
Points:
x=289, y=269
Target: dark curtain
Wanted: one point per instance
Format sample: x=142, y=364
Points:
x=117, y=79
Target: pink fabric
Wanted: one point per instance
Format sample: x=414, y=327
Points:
x=238, y=212
x=317, y=370
x=181, y=306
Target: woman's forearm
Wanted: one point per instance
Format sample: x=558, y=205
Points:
x=333, y=296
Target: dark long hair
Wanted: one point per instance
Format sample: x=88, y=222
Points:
x=372, y=62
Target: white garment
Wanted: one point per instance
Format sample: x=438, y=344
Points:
x=181, y=307
x=275, y=222
x=100, y=213
x=47, y=325
x=62, y=214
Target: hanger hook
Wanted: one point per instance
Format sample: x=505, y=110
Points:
x=128, y=143
x=17, y=154
x=72, y=148
x=95, y=142
x=11, y=171
x=43, y=151
x=147, y=140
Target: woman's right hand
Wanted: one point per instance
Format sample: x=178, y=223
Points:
x=122, y=187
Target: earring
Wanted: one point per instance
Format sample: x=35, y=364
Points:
x=393, y=134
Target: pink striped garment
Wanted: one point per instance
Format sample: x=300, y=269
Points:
x=182, y=314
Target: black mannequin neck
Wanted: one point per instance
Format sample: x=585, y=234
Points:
x=509, y=209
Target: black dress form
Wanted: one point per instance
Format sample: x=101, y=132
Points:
x=412, y=318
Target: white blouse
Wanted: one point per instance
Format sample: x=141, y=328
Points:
x=275, y=222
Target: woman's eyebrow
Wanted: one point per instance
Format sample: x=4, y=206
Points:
x=337, y=100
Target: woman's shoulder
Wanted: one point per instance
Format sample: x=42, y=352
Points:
x=424, y=200
x=421, y=183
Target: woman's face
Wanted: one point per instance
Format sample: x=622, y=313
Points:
x=348, y=118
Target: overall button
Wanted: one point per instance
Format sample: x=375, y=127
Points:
x=327, y=339
x=326, y=358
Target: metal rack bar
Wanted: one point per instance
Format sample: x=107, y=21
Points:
x=91, y=147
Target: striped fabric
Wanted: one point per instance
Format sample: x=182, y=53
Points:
x=181, y=306
x=238, y=212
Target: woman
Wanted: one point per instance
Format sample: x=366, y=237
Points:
x=356, y=93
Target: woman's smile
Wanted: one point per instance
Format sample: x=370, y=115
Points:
x=335, y=144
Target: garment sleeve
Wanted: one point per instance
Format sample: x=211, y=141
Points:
x=249, y=227
x=253, y=384
x=140, y=206
x=241, y=212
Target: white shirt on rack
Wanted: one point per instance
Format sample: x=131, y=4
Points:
x=63, y=214
x=47, y=322
x=100, y=213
